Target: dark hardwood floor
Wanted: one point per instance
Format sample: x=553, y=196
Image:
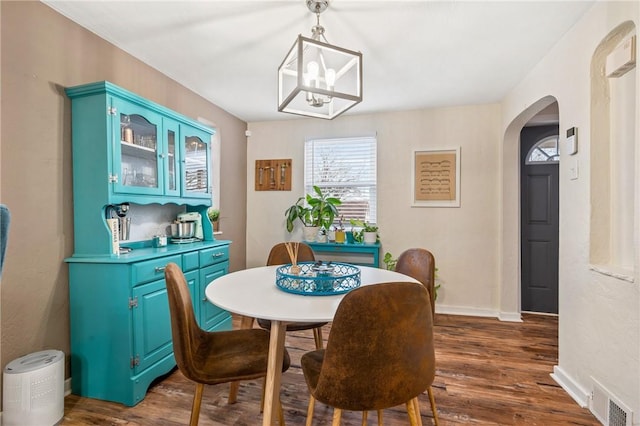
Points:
x=488, y=373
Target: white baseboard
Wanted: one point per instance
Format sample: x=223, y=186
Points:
x=465, y=310
x=510, y=316
x=575, y=391
x=477, y=312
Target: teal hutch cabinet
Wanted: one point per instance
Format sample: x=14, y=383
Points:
x=127, y=149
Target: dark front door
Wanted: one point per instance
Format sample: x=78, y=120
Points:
x=539, y=220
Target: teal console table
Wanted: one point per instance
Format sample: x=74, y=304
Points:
x=355, y=253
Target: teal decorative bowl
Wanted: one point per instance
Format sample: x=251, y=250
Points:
x=318, y=279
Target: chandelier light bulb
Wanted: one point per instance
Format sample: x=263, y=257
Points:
x=312, y=69
x=330, y=78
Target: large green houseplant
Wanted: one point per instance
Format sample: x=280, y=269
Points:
x=316, y=210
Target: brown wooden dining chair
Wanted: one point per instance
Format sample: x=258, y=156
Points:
x=279, y=256
x=211, y=358
x=420, y=264
x=379, y=353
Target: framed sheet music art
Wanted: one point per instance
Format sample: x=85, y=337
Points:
x=435, y=179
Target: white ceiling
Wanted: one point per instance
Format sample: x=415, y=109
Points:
x=416, y=54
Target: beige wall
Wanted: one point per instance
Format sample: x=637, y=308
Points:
x=599, y=334
x=464, y=240
x=43, y=52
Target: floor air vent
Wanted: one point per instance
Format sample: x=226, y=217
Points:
x=607, y=408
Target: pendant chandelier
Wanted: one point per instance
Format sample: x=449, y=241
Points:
x=317, y=79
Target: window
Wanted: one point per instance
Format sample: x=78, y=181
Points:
x=544, y=151
x=345, y=168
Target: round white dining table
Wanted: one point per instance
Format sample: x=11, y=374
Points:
x=253, y=293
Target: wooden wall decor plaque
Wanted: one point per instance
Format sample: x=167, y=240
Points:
x=273, y=175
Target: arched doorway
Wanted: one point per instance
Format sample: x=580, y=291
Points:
x=510, y=250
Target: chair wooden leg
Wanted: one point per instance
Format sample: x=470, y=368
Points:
x=195, y=407
x=264, y=385
x=432, y=401
x=365, y=414
x=416, y=405
x=280, y=414
x=380, y=418
x=337, y=415
x=414, y=412
x=312, y=404
x=233, y=392
x=317, y=336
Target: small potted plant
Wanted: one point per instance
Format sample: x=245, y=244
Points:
x=367, y=233
x=314, y=211
x=389, y=261
x=214, y=217
x=340, y=234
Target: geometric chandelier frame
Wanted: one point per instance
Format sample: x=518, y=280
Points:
x=317, y=79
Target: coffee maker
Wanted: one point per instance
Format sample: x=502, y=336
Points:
x=119, y=212
x=119, y=224
x=193, y=217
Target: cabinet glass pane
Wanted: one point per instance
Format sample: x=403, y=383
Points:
x=173, y=160
x=139, y=151
x=195, y=163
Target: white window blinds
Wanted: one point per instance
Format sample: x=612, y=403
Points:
x=345, y=168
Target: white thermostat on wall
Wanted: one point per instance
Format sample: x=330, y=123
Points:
x=571, y=145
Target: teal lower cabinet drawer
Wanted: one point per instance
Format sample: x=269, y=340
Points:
x=120, y=322
x=191, y=261
x=213, y=255
x=153, y=269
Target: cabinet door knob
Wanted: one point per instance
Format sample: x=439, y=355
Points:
x=160, y=268
x=217, y=255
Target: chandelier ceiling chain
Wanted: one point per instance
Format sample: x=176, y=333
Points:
x=318, y=79
x=317, y=30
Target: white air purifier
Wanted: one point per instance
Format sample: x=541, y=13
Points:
x=33, y=390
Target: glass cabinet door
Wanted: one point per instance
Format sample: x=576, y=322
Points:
x=137, y=165
x=196, y=160
x=171, y=157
